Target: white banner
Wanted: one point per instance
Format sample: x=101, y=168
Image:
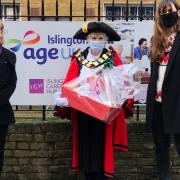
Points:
x=43, y=50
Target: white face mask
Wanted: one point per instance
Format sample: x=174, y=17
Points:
x=97, y=46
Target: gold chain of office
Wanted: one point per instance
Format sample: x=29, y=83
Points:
x=95, y=63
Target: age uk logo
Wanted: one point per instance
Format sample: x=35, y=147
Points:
x=15, y=44
x=36, y=86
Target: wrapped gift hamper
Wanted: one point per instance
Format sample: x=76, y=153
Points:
x=101, y=93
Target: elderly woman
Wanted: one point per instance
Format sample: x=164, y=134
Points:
x=7, y=86
x=94, y=141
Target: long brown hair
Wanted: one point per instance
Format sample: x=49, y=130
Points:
x=158, y=40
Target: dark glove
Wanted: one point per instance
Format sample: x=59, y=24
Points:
x=62, y=112
x=128, y=107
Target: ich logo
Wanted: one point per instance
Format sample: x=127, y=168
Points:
x=36, y=86
x=15, y=44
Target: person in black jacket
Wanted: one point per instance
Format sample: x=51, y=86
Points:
x=163, y=96
x=8, y=80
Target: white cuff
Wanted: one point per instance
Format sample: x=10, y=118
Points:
x=61, y=101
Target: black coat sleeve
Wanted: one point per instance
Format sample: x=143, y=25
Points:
x=10, y=86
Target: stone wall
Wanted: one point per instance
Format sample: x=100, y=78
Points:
x=41, y=150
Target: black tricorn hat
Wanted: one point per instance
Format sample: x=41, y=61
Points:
x=97, y=27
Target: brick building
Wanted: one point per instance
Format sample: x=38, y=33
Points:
x=63, y=9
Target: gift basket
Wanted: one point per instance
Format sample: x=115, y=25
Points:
x=102, y=93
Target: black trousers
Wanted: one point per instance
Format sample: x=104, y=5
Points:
x=162, y=144
x=91, y=135
x=3, y=133
x=95, y=176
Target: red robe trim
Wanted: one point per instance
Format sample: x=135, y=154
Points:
x=115, y=133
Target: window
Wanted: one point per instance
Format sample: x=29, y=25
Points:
x=90, y=12
x=35, y=11
x=8, y=12
x=134, y=11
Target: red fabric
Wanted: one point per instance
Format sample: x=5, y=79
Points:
x=117, y=60
x=73, y=71
x=165, y=59
x=128, y=107
x=75, y=154
x=115, y=133
x=115, y=139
